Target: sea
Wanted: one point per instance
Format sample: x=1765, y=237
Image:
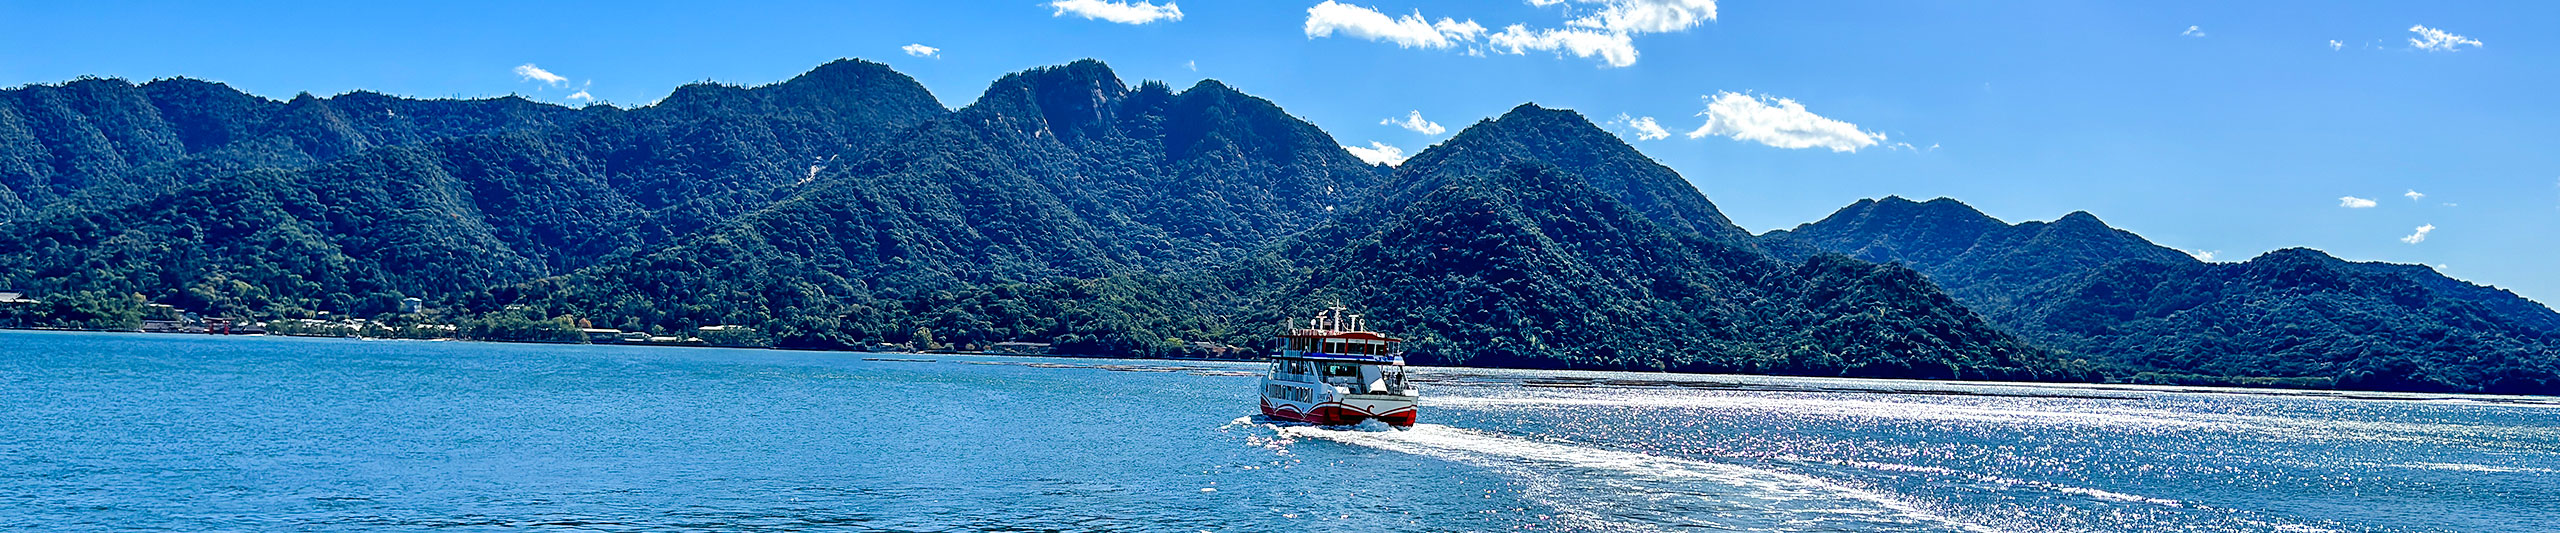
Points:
x=149, y=432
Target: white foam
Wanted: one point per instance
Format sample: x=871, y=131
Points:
x=2467, y=467
x=1762, y=489
x=2046, y=485
x=1987, y=411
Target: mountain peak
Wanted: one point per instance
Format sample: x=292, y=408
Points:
x=843, y=67
x=846, y=78
x=1082, y=74
x=1546, y=116
x=1899, y=211
x=1211, y=85
x=2294, y=254
x=1567, y=140
x=1064, y=99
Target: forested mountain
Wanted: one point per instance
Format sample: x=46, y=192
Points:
x=2081, y=286
x=1061, y=172
x=1508, y=246
x=399, y=210
x=1979, y=259
x=846, y=207
x=122, y=142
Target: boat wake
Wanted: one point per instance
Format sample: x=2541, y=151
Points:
x=1602, y=489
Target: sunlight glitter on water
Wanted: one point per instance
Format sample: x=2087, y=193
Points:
x=1653, y=491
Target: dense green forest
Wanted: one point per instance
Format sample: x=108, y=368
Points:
x=846, y=208
x=2077, y=285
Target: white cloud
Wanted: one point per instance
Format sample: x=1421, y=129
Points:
x=533, y=73
x=1616, y=49
x=2192, y=31
x=2335, y=45
x=2202, y=255
x=1194, y=65
x=2414, y=195
x=1647, y=16
x=1409, y=31
x=2351, y=202
x=582, y=95
x=1646, y=129
x=2435, y=40
x=1416, y=123
x=1140, y=12
x=1605, y=34
x=2420, y=236
x=1378, y=153
x=920, y=50
x=1779, y=122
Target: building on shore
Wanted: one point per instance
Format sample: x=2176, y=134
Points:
x=603, y=335
x=1027, y=348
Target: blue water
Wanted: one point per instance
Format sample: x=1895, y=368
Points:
x=164, y=432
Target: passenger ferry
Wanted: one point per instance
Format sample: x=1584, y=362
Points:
x=1334, y=372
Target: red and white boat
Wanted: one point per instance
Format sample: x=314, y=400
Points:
x=1336, y=373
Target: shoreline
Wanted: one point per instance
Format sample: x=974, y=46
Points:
x=2353, y=394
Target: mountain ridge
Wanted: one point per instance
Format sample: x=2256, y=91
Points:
x=845, y=207
x=2079, y=285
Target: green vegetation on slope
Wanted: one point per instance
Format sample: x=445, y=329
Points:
x=2291, y=317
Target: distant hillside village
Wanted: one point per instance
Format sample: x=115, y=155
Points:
x=414, y=320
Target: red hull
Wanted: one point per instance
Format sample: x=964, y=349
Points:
x=1336, y=414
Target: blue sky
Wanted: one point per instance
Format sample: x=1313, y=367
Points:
x=2246, y=134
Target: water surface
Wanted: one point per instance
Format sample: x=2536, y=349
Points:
x=118, y=431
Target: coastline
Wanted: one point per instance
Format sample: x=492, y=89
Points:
x=1871, y=382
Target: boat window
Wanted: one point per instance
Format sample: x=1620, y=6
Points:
x=1335, y=370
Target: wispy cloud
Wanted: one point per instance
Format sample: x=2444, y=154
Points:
x=1605, y=34
x=920, y=50
x=2202, y=255
x=2335, y=45
x=582, y=95
x=1647, y=16
x=1378, y=153
x=2192, y=31
x=1409, y=31
x=1194, y=65
x=1140, y=12
x=2420, y=236
x=2351, y=202
x=2435, y=40
x=1779, y=122
x=1646, y=129
x=533, y=73
x=1416, y=123
x=1616, y=49
x=2414, y=195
